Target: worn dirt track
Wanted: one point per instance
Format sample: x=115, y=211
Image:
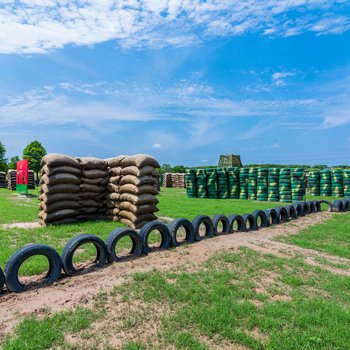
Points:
x=80, y=290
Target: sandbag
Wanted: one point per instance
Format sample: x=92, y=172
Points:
x=58, y=222
x=91, y=210
x=142, y=199
x=97, y=182
x=113, y=196
x=133, y=225
x=92, y=217
x=139, y=172
x=138, y=181
x=115, y=171
x=140, y=160
x=112, y=204
x=64, y=188
x=86, y=203
x=113, y=188
x=92, y=163
x=52, y=198
x=58, y=215
x=92, y=195
x=139, y=190
x=92, y=188
x=58, y=179
x=115, y=179
x=53, y=160
x=115, y=162
x=60, y=170
x=94, y=174
x=138, y=209
x=50, y=208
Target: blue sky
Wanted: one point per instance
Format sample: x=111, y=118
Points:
x=184, y=80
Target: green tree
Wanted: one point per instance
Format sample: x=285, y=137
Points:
x=178, y=169
x=34, y=152
x=3, y=160
x=13, y=162
x=165, y=168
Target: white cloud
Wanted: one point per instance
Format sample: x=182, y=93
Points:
x=332, y=121
x=157, y=145
x=278, y=78
x=38, y=26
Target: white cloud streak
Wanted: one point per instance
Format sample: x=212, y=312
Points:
x=38, y=26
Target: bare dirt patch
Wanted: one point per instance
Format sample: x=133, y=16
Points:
x=25, y=225
x=81, y=290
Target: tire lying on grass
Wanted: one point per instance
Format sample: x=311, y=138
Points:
x=250, y=222
x=217, y=219
x=272, y=217
x=259, y=214
x=2, y=280
x=155, y=226
x=17, y=259
x=346, y=205
x=71, y=247
x=291, y=211
x=282, y=214
x=298, y=209
x=312, y=206
x=175, y=225
x=235, y=218
x=329, y=204
x=338, y=206
x=116, y=235
x=206, y=221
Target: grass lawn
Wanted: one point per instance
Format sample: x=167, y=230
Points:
x=240, y=298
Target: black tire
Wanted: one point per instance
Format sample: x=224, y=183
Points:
x=338, y=206
x=2, y=280
x=272, y=217
x=240, y=222
x=317, y=206
x=113, y=239
x=298, y=209
x=262, y=215
x=75, y=243
x=346, y=205
x=252, y=222
x=209, y=229
x=306, y=208
x=292, y=213
x=330, y=205
x=174, y=227
x=164, y=232
x=17, y=259
x=225, y=224
x=313, y=208
x=282, y=214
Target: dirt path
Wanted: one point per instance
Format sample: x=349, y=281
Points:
x=79, y=290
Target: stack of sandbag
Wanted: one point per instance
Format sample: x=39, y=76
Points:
x=59, y=189
x=178, y=180
x=93, y=188
x=138, y=190
x=31, y=180
x=2, y=179
x=113, y=195
x=167, y=180
x=11, y=179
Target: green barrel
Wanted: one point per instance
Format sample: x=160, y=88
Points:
x=252, y=183
x=201, y=183
x=191, y=183
x=285, y=185
x=233, y=182
x=273, y=185
x=337, y=183
x=346, y=182
x=243, y=183
x=298, y=184
x=262, y=184
x=315, y=183
x=326, y=183
x=222, y=180
x=212, y=186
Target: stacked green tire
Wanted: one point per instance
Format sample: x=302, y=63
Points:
x=346, y=182
x=273, y=185
x=233, y=182
x=252, y=183
x=285, y=185
x=326, y=183
x=243, y=183
x=191, y=183
x=212, y=186
x=262, y=184
x=337, y=183
x=201, y=183
x=315, y=183
x=222, y=178
x=298, y=185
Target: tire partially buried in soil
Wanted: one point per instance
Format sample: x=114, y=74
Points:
x=116, y=235
x=259, y=214
x=217, y=219
x=282, y=214
x=17, y=259
x=235, y=218
x=346, y=205
x=250, y=222
x=338, y=206
x=206, y=221
x=175, y=225
x=272, y=217
x=328, y=203
x=291, y=211
x=299, y=209
x=155, y=226
x=2, y=280
x=71, y=247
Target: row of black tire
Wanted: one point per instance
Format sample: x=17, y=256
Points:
x=106, y=251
